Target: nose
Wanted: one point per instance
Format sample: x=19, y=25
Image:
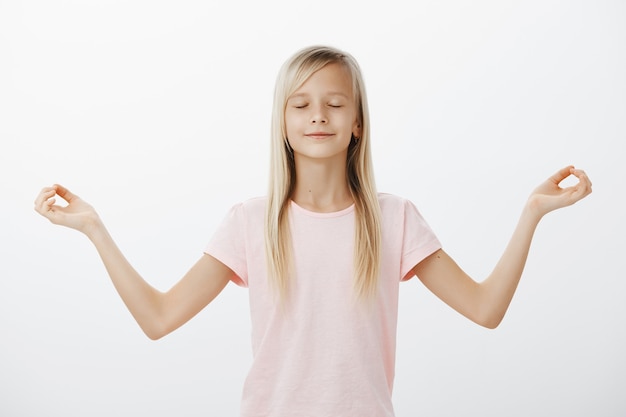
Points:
x=318, y=115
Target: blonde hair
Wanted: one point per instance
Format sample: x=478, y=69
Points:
x=359, y=175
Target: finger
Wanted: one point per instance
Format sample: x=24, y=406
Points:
x=47, y=207
x=50, y=207
x=582, y=176
x=561, y=174
x=43, y=196
x=64, y=193
x=45, y=190
x=582, y=188
x=584, y=183
x=578, y=194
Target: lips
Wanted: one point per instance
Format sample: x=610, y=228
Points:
x=318, y=135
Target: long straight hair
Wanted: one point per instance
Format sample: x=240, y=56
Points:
x=359, y=175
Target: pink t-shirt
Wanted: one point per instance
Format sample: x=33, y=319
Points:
x=323, y=353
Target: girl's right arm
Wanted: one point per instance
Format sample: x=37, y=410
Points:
x=157, y=313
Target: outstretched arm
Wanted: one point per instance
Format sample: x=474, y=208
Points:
x=157, y=313
x=486, y=302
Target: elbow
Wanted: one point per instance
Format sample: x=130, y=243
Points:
x=489, y=314
x=153, y=335
x=491, y=324
x=490, y=320
x=153, y=323
x=154, y=331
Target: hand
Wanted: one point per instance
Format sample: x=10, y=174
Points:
x=550, y=196
x=77, y=214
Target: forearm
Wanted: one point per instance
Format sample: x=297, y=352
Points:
x=142, y=300
x=486, y=302
x=496, y=292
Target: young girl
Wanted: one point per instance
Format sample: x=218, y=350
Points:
x=322, y=255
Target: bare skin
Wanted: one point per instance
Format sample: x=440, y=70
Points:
x=320, y=122
x=157, y=313
x=321, y=118
x=486, y=302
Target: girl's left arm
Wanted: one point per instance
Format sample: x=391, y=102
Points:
x=486, y=302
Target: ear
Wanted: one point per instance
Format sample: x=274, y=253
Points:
x=356, y=129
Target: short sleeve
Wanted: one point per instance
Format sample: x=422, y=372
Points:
x=419, y=240
x=228, y=244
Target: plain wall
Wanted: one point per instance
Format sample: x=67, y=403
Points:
x=157, y=113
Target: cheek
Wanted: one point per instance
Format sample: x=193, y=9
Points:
x=288, y=121
x=293, y=121
x=290, y=117
x=289, y=124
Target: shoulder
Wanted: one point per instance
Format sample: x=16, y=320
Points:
x=244, y=216
x=390, y=198
x=401, y=218
x=395, y=208
x=254, y=204
x=245, y=211
x=391, y=202
x=250, y=207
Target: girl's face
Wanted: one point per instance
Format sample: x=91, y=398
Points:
x=321, y=116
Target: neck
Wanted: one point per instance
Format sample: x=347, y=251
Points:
x=321, y=185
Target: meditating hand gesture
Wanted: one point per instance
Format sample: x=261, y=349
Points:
x=77, y=214
x=550, y=195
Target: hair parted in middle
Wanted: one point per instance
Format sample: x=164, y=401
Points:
x=360, y=177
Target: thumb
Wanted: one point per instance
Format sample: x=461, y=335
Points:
x=65, y=194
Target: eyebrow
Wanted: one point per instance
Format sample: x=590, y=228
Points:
x=332, y=93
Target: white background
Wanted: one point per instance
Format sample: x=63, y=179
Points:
x=158, y=114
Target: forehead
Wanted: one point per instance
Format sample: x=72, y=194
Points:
x=333, y=78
